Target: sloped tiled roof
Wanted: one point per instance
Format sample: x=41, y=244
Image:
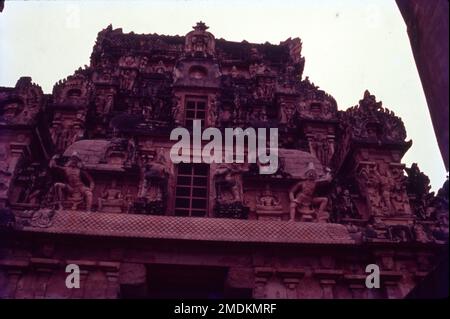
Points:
x=195, y=228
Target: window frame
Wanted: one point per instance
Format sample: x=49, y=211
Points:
x=190, y=209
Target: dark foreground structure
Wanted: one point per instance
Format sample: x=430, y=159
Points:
x=427, y=26
x=86, y=179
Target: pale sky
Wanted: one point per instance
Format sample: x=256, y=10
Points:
x=349, y=46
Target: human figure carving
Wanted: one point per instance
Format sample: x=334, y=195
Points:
x=155, y=176
x=110, y=197
x=385, y=187
x=228, y=177
x=73, y=186
x=268, y=201
x=302, y=197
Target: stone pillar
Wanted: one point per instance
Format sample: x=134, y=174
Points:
x=98, y=279
x=327, y=279
x=262, y=275
x=112, y=275
x=291, y=279
x=44, y=267
x=13, y=270
x=390, y=280
x=357, y=286
x=291, y=287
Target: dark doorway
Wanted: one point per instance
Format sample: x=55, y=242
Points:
x=186, y=282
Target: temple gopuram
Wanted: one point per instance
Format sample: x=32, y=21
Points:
x=86, y=179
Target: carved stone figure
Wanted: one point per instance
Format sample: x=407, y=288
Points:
x=117, y=112
x=177, y=110
x=228, y=181
x=154, y=179
x=385, y=185
x=199, y=42
x=127, y=79
x=287, y=113
x=304, y=199
x=268, y=200
x=322, y=148
x=344, y=204
x=111, y=199
x=108, y=104
x=73, y=189
x=268, y=206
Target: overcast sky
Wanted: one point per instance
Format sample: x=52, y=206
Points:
x=349, y=45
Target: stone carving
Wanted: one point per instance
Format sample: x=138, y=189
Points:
x=153, y=190
x=41, y=218
x=5, y=174
x=74, y=91
x=385, y=188
x=119, y=110
x=321, y=147
x=36, y=182
x=177, y=111
x=11, y=109
x=384, y=185
x=268, y=206
x=229, y=190
x=212, y=112
x=111, y=200
x=421, y=234
x=344, y=205
x=199, y=42
x=65, y=137
x=120, y=151
x=265, y=87
x=304, y=199
x=127, y=79
x=370, y=121
x=287, y=112
x=73, y=190
x=104, y=103
x=228, y=182
x=22, y=105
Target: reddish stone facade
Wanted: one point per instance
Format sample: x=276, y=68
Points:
x=86, y=179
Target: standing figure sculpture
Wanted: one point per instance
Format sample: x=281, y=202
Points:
x=154, y=179
x=385, y=186
x=303, y=199
x=73, y=187
x=227, y=179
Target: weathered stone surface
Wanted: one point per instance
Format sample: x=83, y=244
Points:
x=86, y=178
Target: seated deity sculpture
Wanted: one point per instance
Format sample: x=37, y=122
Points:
x=305, y=202
x=73, y=189
x=268, y=206
x=111, y=199
x=268, y=200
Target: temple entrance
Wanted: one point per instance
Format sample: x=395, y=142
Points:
x=186, y=282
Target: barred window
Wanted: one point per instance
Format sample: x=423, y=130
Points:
x=191, y=198
x=195, y=110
